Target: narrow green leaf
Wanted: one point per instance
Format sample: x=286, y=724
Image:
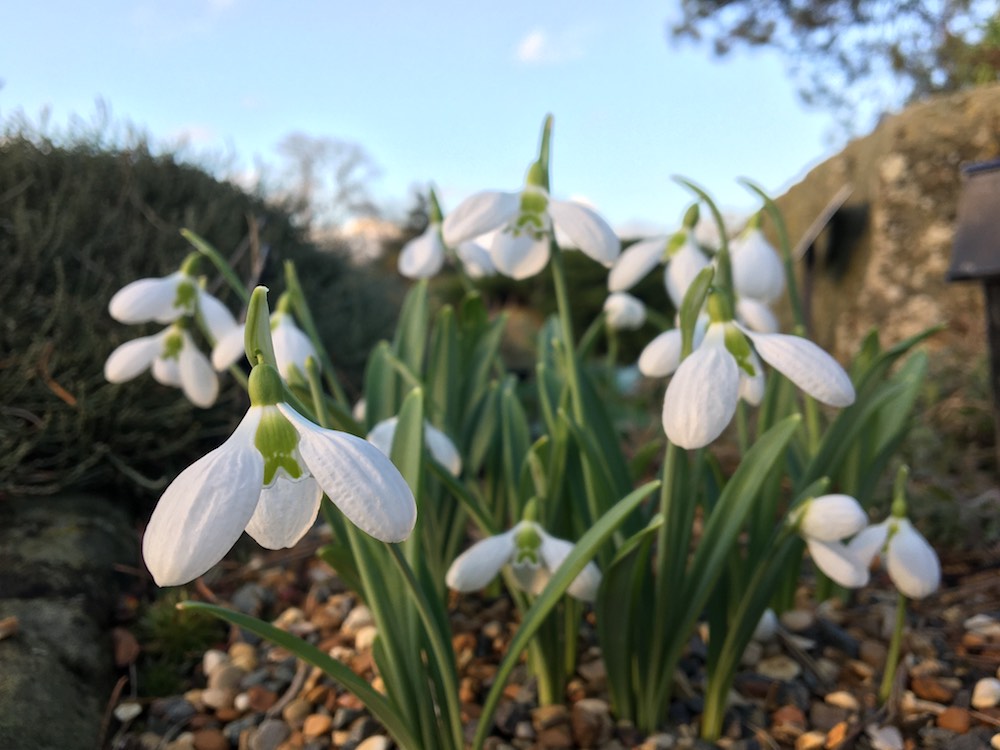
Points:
x=379, y=707
x=410, y=340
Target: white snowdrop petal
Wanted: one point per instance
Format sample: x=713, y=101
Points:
x=475, y=259
x=554, y=551
x=912, y=562
x=869, y=542
x=832, y=517
x=624, y=312
x=205, y=509
x=756, y=315
x=635, y=262
x=285, y=512
x=686, y=263
x=480, y=563
x=479, y=214
x=757, y=269
x=132, y=358
x=228, y=348
x=519, y=256
x=358, y=478
x=198, y=380
x=216, y=315
x=752, y=386
x=382, y=435
x=147, y=299
x=806, y=365
x=291, y=348
x=838, y=562
x=586, y=229
x=442, y=449
x=662, y=355
x=531, y=578
x=423, y=256
x=167, y=372
x=701, y=398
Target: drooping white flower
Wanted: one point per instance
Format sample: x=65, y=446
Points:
x=635, y=262
x=438, y=443
x=268, y=478
x=166, y=299
x=292, y=347
x=423, y=256
x=757, y=270
x=174, y=360
x=685, y=264
x=533, y=555
x=823, y=522
x=525, y=221
x=702, y=395
x=662, y=355
x=912, y=563
x=624, y=312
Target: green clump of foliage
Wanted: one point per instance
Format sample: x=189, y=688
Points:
x=79, y=220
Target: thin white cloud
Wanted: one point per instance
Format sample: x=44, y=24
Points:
x=541, y=47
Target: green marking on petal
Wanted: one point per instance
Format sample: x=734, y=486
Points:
x=534, y=202
x=674, y=244
x=173, y=342
x=277, y=440
x=527, y=542
x=187, y=297
x=739, y=347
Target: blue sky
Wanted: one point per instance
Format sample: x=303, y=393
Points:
x=449, y=91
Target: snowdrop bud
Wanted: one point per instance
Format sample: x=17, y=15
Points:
x=624, y=311
x=257, y=333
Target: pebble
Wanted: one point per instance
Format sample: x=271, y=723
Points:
x=752, y=654
x=212, y=660
x=295, y=712
x=873, y=653
x=995, y=741
x=376, y=742
x=933, y=689
x=545, y=717
x=986, y=693
x=364, y=639
x=591, y=722
x=837, y=734
x=269, y=735
x=825, y=717
x=659, y=742
x=184, y=741
x=813, y=740
x=226, y=676
x=316, y=725
x=885, y=738
x=780, y=667
x=210, y=739
x=594, y=673
x=955, y=719
x=797, y=620
x=767, y=627
x=125, y=712
x=911, y=704
x=218, y=697
x=244, y=656
x=843, y=699
x=356, y=619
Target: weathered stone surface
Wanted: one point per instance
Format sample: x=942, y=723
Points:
x=56, y=576
x=906, y=178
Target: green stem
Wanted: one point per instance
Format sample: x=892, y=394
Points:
x=566, y=323
x=206, y=249
x=892, y=660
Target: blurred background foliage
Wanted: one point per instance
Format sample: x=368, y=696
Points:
x=79, y=219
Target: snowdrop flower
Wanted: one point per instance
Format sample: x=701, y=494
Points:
x=702, y=395
x=912, y=563
x=166, y=299
x=525, y=221
x=268, y=478
x=423, y=256
x=662, y=356
x=440, y=445
x=757, y=270
x=823, y=522
x=686, y=263
x=636, y=261
x=533, y=556
x=623, y=311
x=174, y=360
x=291, y=346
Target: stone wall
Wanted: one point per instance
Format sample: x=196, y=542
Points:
x=906, y=177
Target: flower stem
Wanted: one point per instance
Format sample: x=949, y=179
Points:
x=892, y=660
x=566, y=324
